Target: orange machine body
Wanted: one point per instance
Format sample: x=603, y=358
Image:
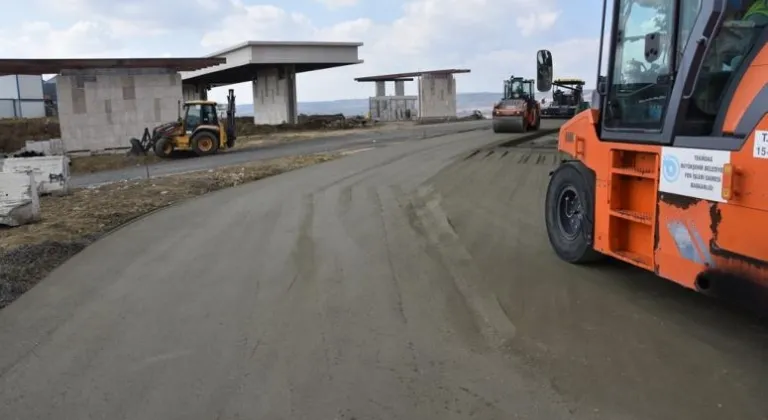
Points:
x=675, y=236
x=517, y=108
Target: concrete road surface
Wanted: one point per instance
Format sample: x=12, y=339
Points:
x=299, y=147
x=408, y=282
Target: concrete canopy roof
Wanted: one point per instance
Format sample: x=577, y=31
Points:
x=386, y=79
x=245, y=59
x=37, y=66
x=408, y=76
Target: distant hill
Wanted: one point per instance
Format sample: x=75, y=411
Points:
x=465, y=104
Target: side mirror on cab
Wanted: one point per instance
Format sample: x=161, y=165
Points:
x=602, y=85
x=543, y=70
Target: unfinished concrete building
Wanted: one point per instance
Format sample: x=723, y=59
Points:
x=271, y=67
x=436, y=97
x=397, y=107
x=102, y=103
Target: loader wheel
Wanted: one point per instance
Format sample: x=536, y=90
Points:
x=163, y=147
x=205, y=143
x=569, y=210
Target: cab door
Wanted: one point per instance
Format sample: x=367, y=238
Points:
x=712, y=197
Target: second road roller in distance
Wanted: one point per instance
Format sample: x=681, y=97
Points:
x=518, y=111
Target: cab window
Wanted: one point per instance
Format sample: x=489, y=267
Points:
x=208, y=115
x=193, y=117
x=689, y=11
x=731, y=44
x=639, y=91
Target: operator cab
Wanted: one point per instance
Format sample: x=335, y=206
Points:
x=672, y=69
x=567, y=92
x=518, y=88
x=199, y=113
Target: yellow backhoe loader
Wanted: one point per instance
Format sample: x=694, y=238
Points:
x=200, y=131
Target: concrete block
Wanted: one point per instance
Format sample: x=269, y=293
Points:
x=53, y=147
x=51, y=173
x=19, y=199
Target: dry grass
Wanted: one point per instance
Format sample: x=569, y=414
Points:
x=99, y=163
x=14, y=132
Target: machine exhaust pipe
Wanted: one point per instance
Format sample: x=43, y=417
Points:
x=703, y=283
x=734, y=288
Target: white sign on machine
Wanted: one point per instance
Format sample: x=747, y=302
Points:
x=761, y=145
x=694, y=173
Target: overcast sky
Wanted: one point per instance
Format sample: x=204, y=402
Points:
x=493, y=38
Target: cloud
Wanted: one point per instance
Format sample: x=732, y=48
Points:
x=256, y=22
x=83, y=39
x=536, y=22
x=483, y=35
x=337, y=4
x=428, y=34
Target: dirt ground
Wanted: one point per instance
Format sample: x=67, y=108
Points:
x=610, y=337
x=99, y=163
x=260, y=140
x=269, y=139
x=69, y=223
x=416, y=282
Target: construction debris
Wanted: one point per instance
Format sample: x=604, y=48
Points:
x=475, y=115
x=246, y=127
x=52, y=147
x=51, y=173
x=19, y=199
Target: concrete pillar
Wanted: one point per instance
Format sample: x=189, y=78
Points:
x=274, y=96
x=381, y=89
x=399, y=88
x=194, y=92
x=437, y=96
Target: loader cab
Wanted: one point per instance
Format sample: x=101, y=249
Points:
x=199, y=113
x=672, y=69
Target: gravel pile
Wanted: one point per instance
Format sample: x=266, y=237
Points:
x=24, y=266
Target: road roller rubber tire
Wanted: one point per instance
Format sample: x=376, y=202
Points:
x=516, y=125
x=569, y=214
